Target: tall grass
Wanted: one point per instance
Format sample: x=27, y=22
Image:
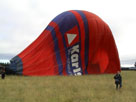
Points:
x=89, y=88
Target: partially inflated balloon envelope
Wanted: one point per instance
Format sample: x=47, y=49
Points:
x=74, y=43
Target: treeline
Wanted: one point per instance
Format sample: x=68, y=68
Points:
x=4, y=64
x=7, y=70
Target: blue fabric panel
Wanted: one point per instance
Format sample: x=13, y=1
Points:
x=86, y=38
x=66, y=21
x=16, y=65
x=56, y=49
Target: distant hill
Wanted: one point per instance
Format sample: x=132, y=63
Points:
x=128, y=62
x=6, y=56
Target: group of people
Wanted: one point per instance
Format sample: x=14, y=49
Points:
x=117, y=77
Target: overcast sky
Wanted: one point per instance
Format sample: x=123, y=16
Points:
x=22, y=21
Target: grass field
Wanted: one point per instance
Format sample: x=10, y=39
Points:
x=89, y=88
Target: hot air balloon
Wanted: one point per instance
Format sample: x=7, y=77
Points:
x=75, y=42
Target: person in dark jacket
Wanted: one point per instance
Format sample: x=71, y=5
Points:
x=118, y=80
x=2, y=72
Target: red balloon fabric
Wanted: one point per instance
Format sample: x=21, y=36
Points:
x=74, y=43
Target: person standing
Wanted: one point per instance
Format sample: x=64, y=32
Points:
x=2, y=71
x=3, y=74
x=118, y=80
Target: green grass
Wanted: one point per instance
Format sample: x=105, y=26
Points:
x=89, y=88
